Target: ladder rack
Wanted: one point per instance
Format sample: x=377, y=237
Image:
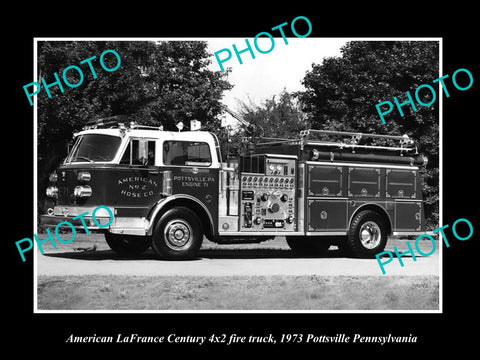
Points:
x=134, y=125
x=404, y=139
x=404, y=143
x=120, y=122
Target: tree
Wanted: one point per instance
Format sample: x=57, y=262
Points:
x=341, y=94
x=278, y=117
x=157, y=83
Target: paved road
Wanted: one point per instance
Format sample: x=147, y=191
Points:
x=269, y=258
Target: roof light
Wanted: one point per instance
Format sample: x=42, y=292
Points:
x=195, y=125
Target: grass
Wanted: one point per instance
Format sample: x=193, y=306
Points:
x=111, y=292
x=238, y=293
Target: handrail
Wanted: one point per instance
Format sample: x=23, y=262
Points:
x=134, y=125
x=403, y=138
x=406, y=144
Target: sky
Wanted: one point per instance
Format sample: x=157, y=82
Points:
x=268, y=74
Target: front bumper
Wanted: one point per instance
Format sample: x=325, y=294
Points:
x=69, y=213
x=53, y=220
x=117, y=225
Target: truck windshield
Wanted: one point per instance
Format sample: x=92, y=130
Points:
x=94, y=147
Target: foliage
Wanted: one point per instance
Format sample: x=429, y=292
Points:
x=342, y=92
x=282, y=118
x=278, y=117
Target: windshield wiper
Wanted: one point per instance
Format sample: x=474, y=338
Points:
x=84, y=158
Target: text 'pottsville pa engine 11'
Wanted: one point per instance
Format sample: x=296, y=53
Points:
x=168, y=190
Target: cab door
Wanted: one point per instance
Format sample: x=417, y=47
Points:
x=138, y=179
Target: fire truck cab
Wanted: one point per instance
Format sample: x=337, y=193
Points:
x=167, y=190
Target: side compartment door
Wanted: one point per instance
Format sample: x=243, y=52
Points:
x=326, y=199
x=192, y=172
x=408, y=216
x=326, y=215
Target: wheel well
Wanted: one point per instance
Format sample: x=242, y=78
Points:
x=202, y=214
x=379, y=210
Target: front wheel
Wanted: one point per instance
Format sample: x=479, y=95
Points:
x=177, y=235
x=367, y=235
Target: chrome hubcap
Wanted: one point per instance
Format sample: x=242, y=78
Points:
x=178, y=234
x=370, y=235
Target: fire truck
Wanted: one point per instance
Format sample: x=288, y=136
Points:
x=168, y=190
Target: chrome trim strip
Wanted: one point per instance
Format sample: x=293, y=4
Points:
x=139, y=232
x=326, y=233
x=404, y=233
x=373, y=165
x=406, y=200
x=58, y=210
x=278, y=233
x=317, y=197
x=255, y=233
x=280, y=156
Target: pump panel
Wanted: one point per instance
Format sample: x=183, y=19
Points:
x=268, y=198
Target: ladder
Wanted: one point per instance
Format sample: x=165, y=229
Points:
x=401, y=143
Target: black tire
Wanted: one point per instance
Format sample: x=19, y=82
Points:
x=367, y=235
x=308, y=245
x=127, y=244
x=177, y=235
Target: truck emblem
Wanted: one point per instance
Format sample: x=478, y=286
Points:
x=137, y=187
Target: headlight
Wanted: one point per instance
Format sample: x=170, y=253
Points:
x=52, y=191
x=53, y=177
x=83, y=176
x=82, y=191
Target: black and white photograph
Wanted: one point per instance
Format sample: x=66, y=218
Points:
x=193, y=188
x=209, y=182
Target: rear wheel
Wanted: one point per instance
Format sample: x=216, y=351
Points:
x=127, y=244
x=367, y=235
x=178, y=234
